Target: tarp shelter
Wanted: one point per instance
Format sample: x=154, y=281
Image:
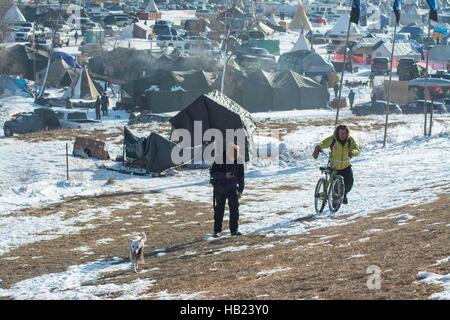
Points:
x=59, y=75
x=416, y=31
x=302, y=43
x=308, y=63
x=69, y=59
x=83, y=87
x=300, y=20
x=401, y=50
x=12, y=86
x=293, y=91
x=431, y=83
x=154, y=151
x=216, y=111
x=13, y=15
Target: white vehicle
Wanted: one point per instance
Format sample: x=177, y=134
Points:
x=168, y=40
x=23, y=34
x=74, y=119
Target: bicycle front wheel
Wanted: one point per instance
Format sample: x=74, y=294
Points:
x=336, y=194
x=320, y=195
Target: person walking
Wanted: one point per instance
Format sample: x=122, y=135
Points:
x=227, y=178
x=351, y=97
x=76, y=36
x=98, y=104
x=371, y=79
x=105, y=104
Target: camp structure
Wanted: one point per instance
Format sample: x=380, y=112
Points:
x=13, y=15
x=300, y=20
x=214, y=110
x=401, y=50
x=154, y=153
x=83, y=87
x=310, y=64
x=293, y=91
x=12, y=86
x=151, y=7
x=167, y=91
x=439, y=57
x=59, y=75
x=253, y=91
x=302, y=43
x=411, y=14
x=338, y=33
x=415, y=30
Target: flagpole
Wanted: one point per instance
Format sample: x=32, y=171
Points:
x=388, y=101
x=426, y=91
x=342, y=74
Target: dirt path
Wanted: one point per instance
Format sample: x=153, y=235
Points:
x=327, y=263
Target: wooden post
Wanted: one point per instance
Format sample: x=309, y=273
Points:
x=389, y=87
x=67, y=161
x=342, y=74
x=431, y=116
x=426, y=90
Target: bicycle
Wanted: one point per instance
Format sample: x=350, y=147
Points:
x=330, y=189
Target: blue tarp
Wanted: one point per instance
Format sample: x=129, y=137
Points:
x=70, y=60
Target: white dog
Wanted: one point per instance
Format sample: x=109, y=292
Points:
x=137, y=251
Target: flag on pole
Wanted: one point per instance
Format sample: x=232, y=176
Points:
x=356, y=9
x=433, y=10
x=397, y=7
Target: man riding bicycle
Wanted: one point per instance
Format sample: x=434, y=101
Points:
x=343, y=147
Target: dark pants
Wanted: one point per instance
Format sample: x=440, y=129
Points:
x=97, y=114
x=219, y=209
x=351, y=102
x=347, y=174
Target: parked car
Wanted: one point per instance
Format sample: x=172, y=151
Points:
x=169, y=40
x=74, y=119
x=120, y=20
x=408, y=69
x=161, y=25
x=417, y=107
x=377, y=107
x=380, y=66
x=446, y=102
x=23, y=34
x=40, y=120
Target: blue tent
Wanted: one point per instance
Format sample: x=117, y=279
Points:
x=70, y=60
x=414, y=30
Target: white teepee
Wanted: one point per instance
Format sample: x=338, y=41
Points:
x=341, y=26
x=151, y=7
x=301, y=44
x=13, y=15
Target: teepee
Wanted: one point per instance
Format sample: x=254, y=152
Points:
x=13, y=15
x=82, y=87
x=341, y=27
x=300, y=20
x=151, y=7
x=302, y=43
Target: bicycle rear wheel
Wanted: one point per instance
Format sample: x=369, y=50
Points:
x=336, y=194
x=320, y=195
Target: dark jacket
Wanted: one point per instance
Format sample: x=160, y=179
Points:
x=105, y=102
x=223, y=185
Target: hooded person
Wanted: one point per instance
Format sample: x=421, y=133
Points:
x=227, y=178
x=343, y=147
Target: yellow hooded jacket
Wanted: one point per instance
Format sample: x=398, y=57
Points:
x=340, y=152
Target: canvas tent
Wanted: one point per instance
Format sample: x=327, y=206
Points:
x=216, y=111
x=59, y=75
x=300, y=20
x=302, y=43
x=153, y=152
x=401, y=50
x=13, y=15
x=151, y=7
x=311, y=64
x=83, y=87
x=339, y=31
x=293, y=91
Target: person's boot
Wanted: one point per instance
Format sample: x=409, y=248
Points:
x=216, y=235
x=345, y=201
x=236, y=233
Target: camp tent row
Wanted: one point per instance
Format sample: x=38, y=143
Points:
x=213, y=110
